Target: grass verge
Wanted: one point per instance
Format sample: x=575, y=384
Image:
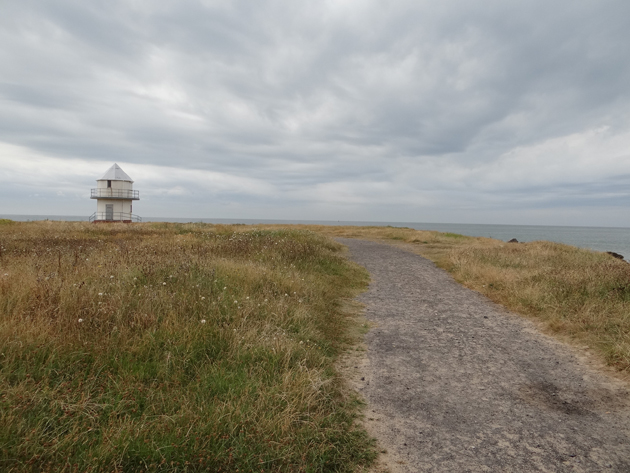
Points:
x=167, y=347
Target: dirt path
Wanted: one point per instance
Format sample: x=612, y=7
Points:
x=455, y=383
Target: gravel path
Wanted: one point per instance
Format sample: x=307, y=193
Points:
x=455, y=383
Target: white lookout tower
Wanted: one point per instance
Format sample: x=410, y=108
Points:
x=114, y=194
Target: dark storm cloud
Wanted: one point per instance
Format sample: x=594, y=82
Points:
x=363, y=104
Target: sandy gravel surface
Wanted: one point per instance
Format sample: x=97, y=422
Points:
x=455, y=383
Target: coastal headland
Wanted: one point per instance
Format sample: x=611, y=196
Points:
x=189, y=347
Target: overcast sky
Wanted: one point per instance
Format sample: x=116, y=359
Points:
x=494, y=111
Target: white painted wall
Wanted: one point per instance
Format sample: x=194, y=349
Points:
x=122, y=207
x=124, y=185
x=119, y=205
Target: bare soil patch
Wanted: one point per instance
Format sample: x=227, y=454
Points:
x=454, y=382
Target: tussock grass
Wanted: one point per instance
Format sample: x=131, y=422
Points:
x=167, y=347
x=576, y=293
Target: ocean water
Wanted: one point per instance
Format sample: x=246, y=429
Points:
x=594, y=238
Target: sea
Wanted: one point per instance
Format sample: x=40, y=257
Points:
x=614, y=239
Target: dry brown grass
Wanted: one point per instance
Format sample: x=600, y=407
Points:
x=167, y=347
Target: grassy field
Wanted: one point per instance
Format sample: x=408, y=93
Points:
x=577, y=294
x=167, y=347
x=171, y=347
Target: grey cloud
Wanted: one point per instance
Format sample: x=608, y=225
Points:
x=303, y=96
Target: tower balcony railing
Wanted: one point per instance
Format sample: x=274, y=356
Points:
x=109, y=193
x=114, y=217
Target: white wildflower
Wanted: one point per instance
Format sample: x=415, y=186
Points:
x=80, y=320
x=203, y=321
x=100, y=293
x=203, y=298
x=163, y=284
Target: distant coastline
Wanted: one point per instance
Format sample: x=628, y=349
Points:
x=615, y=239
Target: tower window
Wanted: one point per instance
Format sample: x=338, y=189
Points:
x=109, y=184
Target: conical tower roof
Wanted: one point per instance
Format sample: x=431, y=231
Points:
x=115, y=173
